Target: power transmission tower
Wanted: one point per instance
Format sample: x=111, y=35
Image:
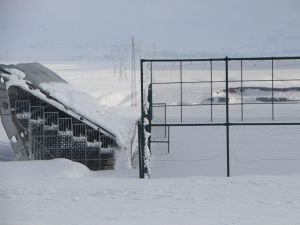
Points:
x=119, y=57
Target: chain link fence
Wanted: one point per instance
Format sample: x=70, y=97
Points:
x=220, y=117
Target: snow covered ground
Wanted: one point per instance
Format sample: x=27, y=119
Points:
x=64, y=192
x=60, y=192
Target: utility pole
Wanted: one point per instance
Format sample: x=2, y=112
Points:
x=133, y=75
x=119, y=57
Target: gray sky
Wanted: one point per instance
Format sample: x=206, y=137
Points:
x=65, y=29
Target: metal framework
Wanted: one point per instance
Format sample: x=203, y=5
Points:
x=38, y=130
x=226, y=84
x=54, y=134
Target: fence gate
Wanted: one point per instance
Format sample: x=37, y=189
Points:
x=220, y=117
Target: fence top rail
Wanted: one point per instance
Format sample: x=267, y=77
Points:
x=225, y=124
x=222, y=59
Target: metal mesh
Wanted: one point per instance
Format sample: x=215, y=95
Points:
x=264, y=150
x=191, y=101
x=192, y=151
x=51, y=133
x=22, y=109
x=51, y=120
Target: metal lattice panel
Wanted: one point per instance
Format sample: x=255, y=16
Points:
x=55, y=134
x=40, y=126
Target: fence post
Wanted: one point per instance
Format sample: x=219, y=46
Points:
x=180, y=70
x=227, y=118
x=272, y=89
x=141, y=128
x=141, y=150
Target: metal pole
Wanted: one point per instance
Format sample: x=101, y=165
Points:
x=151, y=73
x=211, y=92
x=272, y=89
x=141, y=171
x=141, y=132
x=149, y=115
x=133, y=76
x=242, y=93
x=181, y=91
x=165, y=120
x=227, y=118
x=168, y=140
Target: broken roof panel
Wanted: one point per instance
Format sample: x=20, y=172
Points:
x=51, y=88
x=36, y=73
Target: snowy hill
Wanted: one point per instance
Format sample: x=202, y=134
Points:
x=255, y=95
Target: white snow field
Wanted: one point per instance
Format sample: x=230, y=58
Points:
x=64, y=192
x=59, y=192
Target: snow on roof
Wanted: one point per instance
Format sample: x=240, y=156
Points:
x=58, y=92
x=36, y=73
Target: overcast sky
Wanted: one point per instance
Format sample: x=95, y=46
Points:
x=57, y=29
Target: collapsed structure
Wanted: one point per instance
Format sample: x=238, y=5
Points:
x=45, y=118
